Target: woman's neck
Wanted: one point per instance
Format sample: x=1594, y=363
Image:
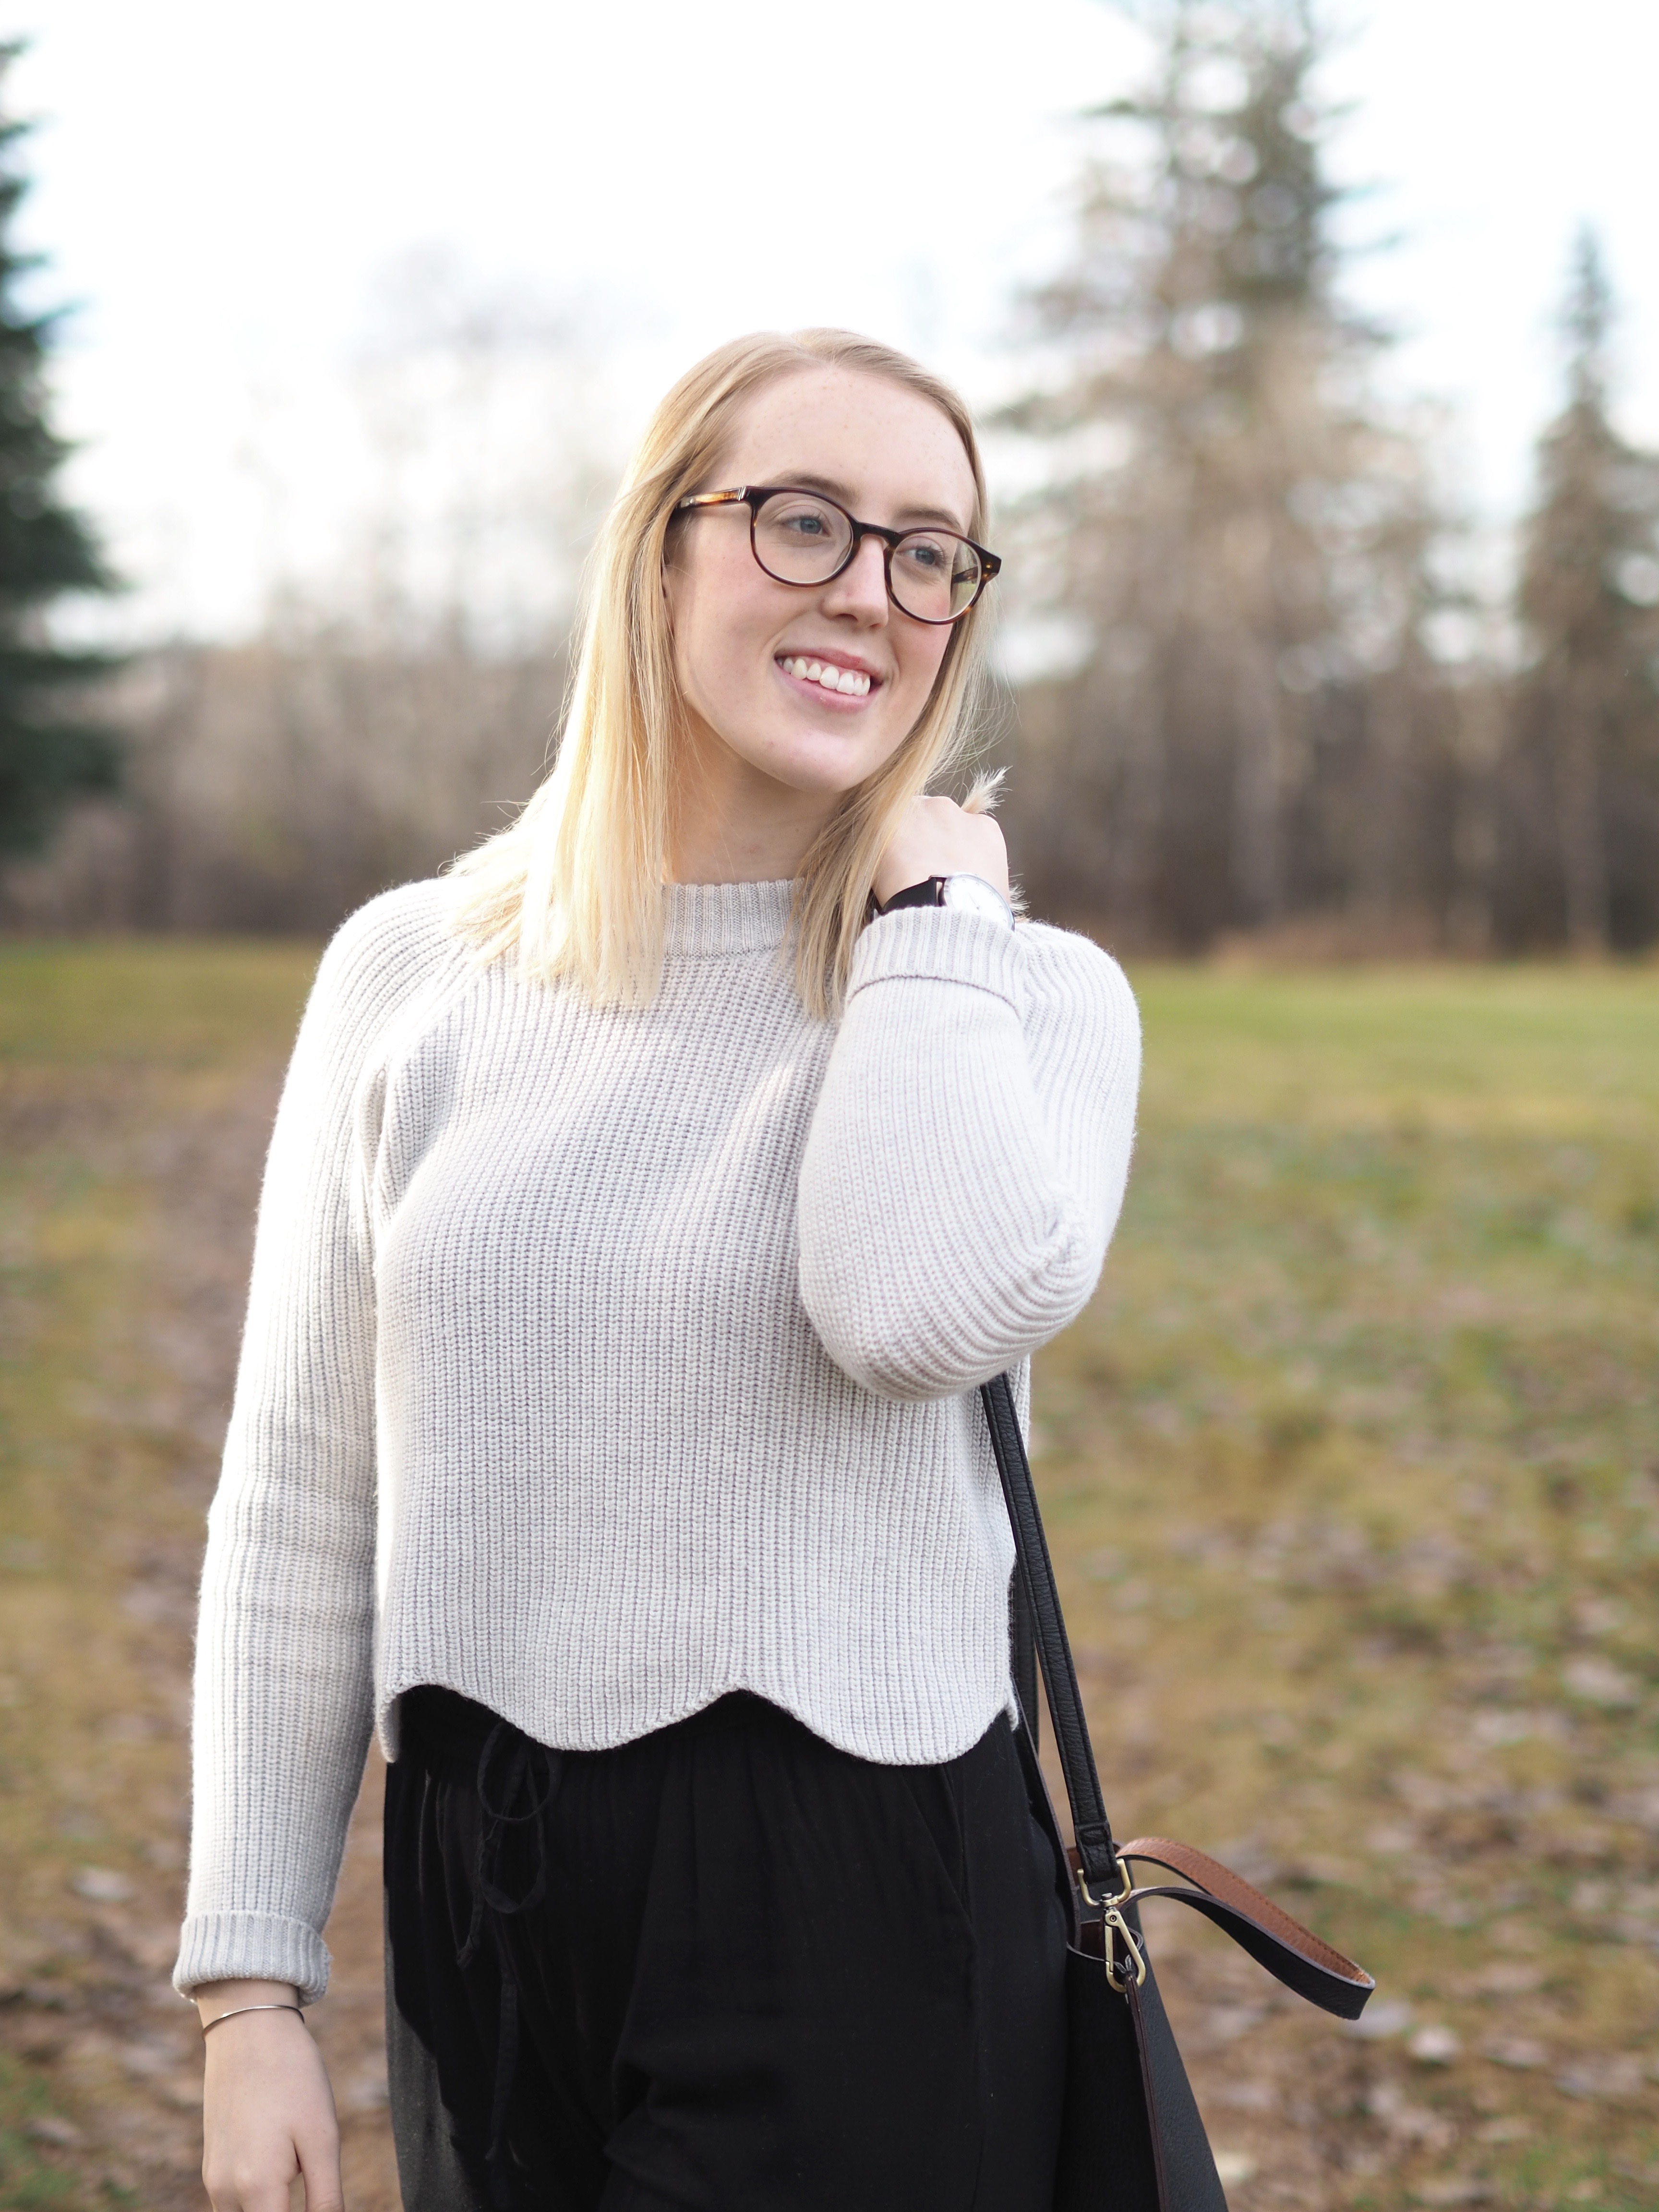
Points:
x=736, y=824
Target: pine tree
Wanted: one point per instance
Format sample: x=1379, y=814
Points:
x=1238, y=536
x=1589, y=702
x=50, y=754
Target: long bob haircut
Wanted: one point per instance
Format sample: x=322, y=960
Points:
x=575, y=886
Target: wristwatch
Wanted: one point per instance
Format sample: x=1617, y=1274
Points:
x=960, y=893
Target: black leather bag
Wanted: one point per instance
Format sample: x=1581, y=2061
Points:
x=1133, y=2140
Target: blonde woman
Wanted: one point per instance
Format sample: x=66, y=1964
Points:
x=644, y=1206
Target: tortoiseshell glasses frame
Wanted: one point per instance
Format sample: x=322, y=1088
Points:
x=973, y=578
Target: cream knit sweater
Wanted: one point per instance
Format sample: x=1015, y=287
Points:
x=598, y=1363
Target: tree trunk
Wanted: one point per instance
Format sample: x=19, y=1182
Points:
x=1377, y=859
x=1479, y=745
x=1259, y=786
x=1135, y=834
x=1578, y=813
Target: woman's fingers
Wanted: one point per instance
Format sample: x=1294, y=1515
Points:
x=262, y=2175
x=249, y=2161
x=319, y=2168
x=251, y=2193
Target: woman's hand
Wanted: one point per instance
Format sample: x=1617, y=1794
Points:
x=268, y=2114
x=937, y=837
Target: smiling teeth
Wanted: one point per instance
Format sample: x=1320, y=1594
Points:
x=847, y=680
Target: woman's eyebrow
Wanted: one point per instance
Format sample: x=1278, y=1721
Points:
x=809, y=480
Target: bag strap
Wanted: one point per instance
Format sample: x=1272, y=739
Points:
x=1022, y=1649
x=1089, y=1824
x=1289, y=1951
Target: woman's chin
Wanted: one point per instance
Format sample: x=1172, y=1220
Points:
x=829, y=761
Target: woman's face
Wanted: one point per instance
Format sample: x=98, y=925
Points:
x=742, y=639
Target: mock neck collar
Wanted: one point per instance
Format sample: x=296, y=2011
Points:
x=705, y=919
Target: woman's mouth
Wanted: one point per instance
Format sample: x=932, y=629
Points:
x=829, y=675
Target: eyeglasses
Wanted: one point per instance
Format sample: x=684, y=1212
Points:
x=803, y=538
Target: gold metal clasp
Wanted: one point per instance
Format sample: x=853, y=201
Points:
x=1134, y=1968
x=1103, y=1904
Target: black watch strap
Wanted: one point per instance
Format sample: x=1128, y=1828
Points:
x=929, y=893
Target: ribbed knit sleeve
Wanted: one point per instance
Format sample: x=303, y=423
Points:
x=284, y=1653
x=969, y=1152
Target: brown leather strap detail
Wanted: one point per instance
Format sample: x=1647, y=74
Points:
x=1207, y=1874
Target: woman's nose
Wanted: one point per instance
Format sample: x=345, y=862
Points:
x=861, y=587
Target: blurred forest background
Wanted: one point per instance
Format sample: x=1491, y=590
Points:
x=1292, y=694
x=1352, y=1467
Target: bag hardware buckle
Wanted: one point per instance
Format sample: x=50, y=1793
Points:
x=1132, y=1969
x=1101, y=1904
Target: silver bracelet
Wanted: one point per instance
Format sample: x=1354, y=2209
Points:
x=208, y=2025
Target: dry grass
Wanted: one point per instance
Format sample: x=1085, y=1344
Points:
x=1353, y=1467
x=135, y=1089
x=1352, y=1470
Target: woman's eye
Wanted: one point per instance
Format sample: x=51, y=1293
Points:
x=805, y=525
x=926, y=554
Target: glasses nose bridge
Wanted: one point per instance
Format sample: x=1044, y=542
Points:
x=887, y=539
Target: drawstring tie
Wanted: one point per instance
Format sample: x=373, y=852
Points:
x=499, y=1823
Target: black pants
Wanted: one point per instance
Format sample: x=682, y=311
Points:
x=725, y=1968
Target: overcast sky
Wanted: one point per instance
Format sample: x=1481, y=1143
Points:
x=229, y=191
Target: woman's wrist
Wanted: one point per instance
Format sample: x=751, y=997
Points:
x=214, y=2001
x=925, y=892
x=936, y=837
x=961, y=892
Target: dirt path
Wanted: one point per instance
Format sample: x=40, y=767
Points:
x=129, y=1247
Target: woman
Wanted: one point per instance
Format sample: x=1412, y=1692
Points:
x=643, y=1211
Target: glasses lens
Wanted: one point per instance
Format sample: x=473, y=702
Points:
x=799, y=538
x=935, y=574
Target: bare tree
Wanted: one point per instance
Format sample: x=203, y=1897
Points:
x=1587, y=706
x=1240, y=532
x=395, y=706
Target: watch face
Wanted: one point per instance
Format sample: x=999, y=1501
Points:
x=973, y=894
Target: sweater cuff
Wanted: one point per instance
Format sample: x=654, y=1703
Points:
x=934, y=945
x=252, y=1946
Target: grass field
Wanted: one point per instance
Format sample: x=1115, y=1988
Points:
x=1352, y=1472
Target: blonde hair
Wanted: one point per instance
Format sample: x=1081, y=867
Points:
x=574, y=886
